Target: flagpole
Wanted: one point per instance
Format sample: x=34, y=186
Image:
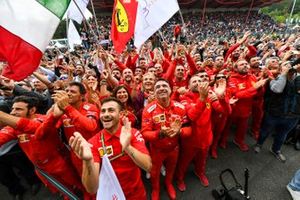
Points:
x=67, y=31
x=183, y=24
x=161, y=35
x=86, y=21
x=95, y=17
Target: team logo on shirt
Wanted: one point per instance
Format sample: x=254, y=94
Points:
x=23, y=138
x=109, y=151
x=241, y=86
x=207, y=105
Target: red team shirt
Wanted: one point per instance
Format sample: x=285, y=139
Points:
x=127, y=172
x=155, y=116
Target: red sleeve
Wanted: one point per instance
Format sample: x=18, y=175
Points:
x=170, y=71
x=194, y=112
x=138, y=142
x=130, y=63
x=240, y=94
x=120, y=65
x=7, y=134
x=87, y=121
x=217, y=106
x=191, y=63
x=167, y=55
x=151, y=55
x=165, y=65
x=252, y=51
x=95, y=142
x=134, y=59
x=27, y=126
x=147, y=124
x=45, y=128
x=230, y=50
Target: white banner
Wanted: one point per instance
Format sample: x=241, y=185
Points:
x=73, y=35
x=109, y=186
x=73, y=10
x=151, y=15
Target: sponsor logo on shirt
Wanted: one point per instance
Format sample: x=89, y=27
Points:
x=151, y=108
x=138, y=136
x=159, y=118
x=109, y=151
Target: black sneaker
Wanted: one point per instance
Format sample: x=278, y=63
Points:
x=257, y=148
x=278, y=155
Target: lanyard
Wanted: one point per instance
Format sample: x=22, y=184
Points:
x=104, y=149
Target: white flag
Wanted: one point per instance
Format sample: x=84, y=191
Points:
x=73, y=36
x=73, y=10
x=109, y=186
x=151, y=15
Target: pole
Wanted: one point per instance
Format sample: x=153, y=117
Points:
x=251, y=6
x=203, y=13
x=95, y=17
x=161, y=35
x=183, y=25
x=92, y=30
x=291, y=14
x=67, y=31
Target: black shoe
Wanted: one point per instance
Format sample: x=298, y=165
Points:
x=297, y=145
x=35, y=188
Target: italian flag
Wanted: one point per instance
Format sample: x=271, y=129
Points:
x=26, y=27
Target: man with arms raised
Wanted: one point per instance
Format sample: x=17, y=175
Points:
x=124, y=146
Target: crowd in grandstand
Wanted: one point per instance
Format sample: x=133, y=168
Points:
x=165, y=105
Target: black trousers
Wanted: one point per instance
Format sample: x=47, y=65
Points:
x=12, y=161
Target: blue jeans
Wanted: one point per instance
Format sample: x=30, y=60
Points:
x=281, y=126
x=295, y=182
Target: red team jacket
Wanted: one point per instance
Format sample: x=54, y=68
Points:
x=241, y=86
x=155, y=116
x=200, y=115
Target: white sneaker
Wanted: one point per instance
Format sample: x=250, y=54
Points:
x=148, y=175
x=163, y=170
x=295, y=194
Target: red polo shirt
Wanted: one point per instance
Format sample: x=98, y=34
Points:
x=127, y=172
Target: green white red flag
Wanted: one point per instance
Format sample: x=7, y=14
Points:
x=26, y=28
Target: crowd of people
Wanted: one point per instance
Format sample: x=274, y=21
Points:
x=163, y=106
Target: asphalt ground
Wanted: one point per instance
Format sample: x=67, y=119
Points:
x=267, y=181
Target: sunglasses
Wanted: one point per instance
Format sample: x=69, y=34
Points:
x=203, y=76
x=219, y=77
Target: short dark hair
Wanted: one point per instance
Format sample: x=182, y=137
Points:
x=162, y=79
x=81, y=87
x=30, y=101
x=108, y=99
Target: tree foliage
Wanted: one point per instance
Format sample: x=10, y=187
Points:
x=281, y=11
